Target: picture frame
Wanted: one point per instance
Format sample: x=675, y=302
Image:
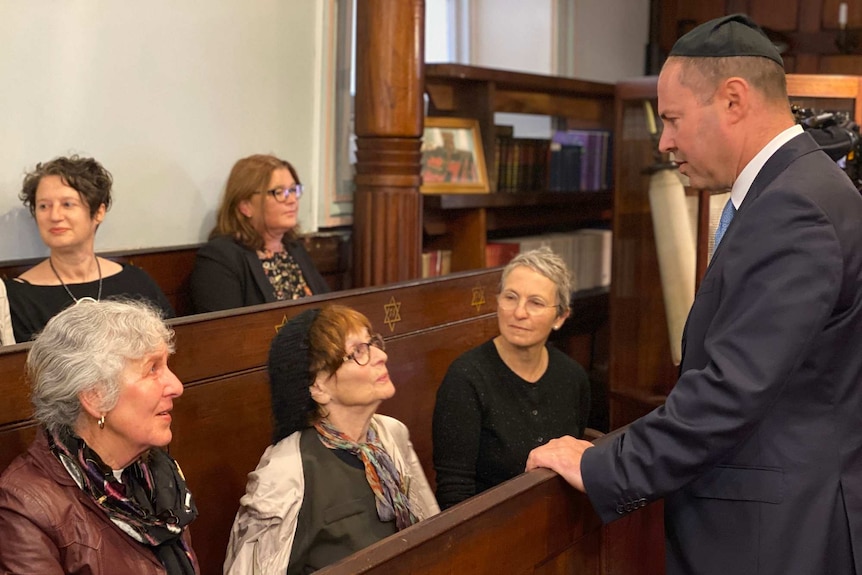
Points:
x=453, y=161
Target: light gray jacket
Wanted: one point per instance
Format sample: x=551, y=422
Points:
x=262, y=535
x=6, y=335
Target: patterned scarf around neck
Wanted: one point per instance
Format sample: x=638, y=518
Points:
x=390, y=493
x=152, y=505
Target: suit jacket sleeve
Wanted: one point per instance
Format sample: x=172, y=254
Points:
x=756, y=318
x=217, y=277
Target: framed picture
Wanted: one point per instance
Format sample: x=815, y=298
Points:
x=452, y=157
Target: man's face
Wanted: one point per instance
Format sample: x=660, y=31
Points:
x=694, y=132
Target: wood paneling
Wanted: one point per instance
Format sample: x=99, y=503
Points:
x=171, y=267
x=533, y=524
x=389, y=117
x=778, y=15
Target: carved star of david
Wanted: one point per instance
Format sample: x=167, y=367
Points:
x=393, y=313
x=281, y=325
x=478, y=297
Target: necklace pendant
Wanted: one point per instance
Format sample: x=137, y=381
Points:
x=86, y=298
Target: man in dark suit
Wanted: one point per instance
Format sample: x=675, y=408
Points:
x=758, y=448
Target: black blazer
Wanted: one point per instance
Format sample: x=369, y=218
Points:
x=758, y=449
x=228, y=275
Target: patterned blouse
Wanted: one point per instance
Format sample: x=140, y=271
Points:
x=285, y=276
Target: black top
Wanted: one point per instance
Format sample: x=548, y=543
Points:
x=339, y=513
x=228, y=275
x=32, y=306
x=487, y=419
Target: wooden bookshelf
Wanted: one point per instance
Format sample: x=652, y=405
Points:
x=641, y=372
x=464, y=222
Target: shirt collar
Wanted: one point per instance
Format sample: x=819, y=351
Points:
x=746, y=177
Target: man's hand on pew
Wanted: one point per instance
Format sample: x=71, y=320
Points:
x=563, y=455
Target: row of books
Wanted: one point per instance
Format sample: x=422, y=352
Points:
x=436, y=263
x=572, y=160
x=587, y=253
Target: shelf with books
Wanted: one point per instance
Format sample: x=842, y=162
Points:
x=463, y=223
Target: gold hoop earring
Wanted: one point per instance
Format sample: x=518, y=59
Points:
x=101, y=422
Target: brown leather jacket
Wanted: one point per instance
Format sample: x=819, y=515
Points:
x=49, y=526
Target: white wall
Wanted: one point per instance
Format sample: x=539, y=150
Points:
x=167, y=94
x=513, y=35
x=610, y=39
x=601, y=40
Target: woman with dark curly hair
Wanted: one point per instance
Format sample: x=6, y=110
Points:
x=68, y=198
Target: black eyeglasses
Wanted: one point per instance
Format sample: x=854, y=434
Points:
x=362, y=352
x=280, y=194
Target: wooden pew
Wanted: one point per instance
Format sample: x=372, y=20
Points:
x=533, y=524
x=222, y=422
x=171, y=267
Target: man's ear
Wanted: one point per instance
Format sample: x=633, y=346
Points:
x=320, y=389
x=91, y=401
x=735, y=93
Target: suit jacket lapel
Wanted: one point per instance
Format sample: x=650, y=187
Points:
x=263, y=283
x=780, y=160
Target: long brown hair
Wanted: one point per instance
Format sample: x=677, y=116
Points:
x=248, y=177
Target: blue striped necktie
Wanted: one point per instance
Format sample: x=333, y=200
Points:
x=726, y=217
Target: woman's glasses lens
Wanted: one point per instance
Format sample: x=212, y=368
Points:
x=281, y=194
x=362, y=352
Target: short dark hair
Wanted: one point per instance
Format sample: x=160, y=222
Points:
x=85, y=175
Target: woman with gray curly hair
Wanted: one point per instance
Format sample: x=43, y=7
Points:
x=513, y=393
x=96, y=492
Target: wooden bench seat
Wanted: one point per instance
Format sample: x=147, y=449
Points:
x=171, y=267
x=222, y=422
x=533, y=524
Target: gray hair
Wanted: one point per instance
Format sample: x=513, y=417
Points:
x=85, y=348
x=545, y=262
x=703, y=75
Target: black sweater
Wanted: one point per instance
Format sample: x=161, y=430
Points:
x=487, y=419
x=31, y=306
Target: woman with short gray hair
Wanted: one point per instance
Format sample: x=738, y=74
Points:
x=103, y=394
x=513, y=393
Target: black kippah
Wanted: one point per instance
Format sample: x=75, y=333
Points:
x=290, y=376
x=734, y=35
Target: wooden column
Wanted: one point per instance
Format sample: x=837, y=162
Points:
x=390, y=56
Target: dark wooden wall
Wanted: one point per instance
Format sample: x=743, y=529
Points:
x=171, y=267
x=809, y=27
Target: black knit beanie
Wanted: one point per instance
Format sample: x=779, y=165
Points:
x=290, y=376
